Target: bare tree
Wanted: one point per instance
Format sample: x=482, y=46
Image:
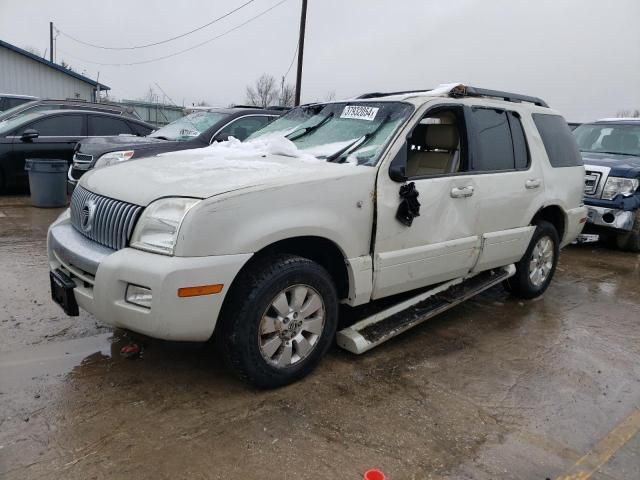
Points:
x=287, y=95
x=264, y=92
x=628, y=113
x=202, y=103
x=330, y=96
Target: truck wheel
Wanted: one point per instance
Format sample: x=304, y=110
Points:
x=279, y=320
x=630, y=241
x=536, y=268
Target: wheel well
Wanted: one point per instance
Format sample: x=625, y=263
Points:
x=320, y=250
x=555, y=216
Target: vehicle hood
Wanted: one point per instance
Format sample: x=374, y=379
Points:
x=620, y=165
x=221, y=168
x=97, y=146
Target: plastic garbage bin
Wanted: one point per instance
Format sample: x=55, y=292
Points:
x=47, y=182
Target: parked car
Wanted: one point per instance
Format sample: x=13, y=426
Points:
x=258, y=243
x=54, y=134
x=8, y=100
x=196, y=130
x=33, y=105
x=611, y=153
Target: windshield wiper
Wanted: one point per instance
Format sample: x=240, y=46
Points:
x=306, y=130
x=161, y=137
x=357, y=143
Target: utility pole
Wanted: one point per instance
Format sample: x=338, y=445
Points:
x=51, y=42
x=303, y=22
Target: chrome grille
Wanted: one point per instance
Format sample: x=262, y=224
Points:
x=104, y=220
x=591, y=181
x=82, y=158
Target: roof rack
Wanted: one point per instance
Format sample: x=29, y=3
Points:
x=464, y=91
x=388, y=94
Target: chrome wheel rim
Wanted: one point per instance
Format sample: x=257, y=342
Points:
x=291, y=326
x=541, y=261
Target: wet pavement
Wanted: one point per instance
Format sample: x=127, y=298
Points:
x=496, y=388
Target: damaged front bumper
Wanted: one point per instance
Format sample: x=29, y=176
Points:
x=610, y=218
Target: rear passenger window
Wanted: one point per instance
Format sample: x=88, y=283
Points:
x=493, y=147
x=100, y=126
x=558, y=140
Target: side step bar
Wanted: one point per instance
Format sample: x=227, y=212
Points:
x=386, y=324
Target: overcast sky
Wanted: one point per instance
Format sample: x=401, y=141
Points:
x=582, y=56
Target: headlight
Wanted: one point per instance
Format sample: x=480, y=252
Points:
x=619, y=186
x=158, y=227
x=112, y=158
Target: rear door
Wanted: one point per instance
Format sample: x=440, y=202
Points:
x=509, y=188
x=58, y=135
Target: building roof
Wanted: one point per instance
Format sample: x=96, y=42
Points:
x=52, y=65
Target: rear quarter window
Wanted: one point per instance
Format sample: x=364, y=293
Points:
x=558, y=140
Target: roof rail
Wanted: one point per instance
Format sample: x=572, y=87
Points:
x=388, y=94
x=464, y=91
x=247, y=106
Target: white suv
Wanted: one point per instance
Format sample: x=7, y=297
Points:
x=440, y=193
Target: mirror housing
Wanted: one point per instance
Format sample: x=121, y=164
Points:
x=29, y=134
x=398, y=166
x=221, y=137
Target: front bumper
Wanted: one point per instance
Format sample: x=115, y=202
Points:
x=612, y=218
x=101, y=276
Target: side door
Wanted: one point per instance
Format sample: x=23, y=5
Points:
x=442, y=242
x=57, y=137
x=508, y=186
x=242, y=127
x=102, y=126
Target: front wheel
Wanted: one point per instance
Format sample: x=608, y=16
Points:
x=279, y=320
x=536, y=268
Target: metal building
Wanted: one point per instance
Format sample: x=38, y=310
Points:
x=24, y=73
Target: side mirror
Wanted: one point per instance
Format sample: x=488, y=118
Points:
x=221, y=137
x=29, y=134
x=398, y=167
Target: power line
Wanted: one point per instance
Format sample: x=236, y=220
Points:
x=293, y=59
x=181, y=51
x=155, y=43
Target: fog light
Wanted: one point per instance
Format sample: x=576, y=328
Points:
x=138, y=295
x=608, y=217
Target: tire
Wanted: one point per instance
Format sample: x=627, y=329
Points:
x=269, y=332
x=529, y=284
x=630, y=241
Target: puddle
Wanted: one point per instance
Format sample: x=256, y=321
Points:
x=18, y=368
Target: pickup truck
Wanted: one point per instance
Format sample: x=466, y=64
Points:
x=433, y=194
x=611, y=154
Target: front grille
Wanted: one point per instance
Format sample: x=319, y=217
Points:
x=82, y=158
x=104, y=220
x=591, y=181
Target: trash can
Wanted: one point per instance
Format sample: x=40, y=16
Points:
x=47, y=182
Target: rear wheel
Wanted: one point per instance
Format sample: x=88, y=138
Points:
x=279, y=320
x=630, y=241
x=536, y=268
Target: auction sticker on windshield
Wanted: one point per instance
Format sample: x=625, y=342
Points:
x=359, y=112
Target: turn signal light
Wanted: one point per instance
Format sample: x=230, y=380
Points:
x=201, y=290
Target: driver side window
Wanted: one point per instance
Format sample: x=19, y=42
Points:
x=435, y=147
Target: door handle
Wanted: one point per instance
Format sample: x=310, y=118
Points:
x=532, y=183
x=462, y=192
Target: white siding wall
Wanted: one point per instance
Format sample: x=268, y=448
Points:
x=22, y=75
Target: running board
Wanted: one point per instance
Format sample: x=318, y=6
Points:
x=382, y=326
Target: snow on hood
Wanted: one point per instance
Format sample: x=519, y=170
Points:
x=213, y=170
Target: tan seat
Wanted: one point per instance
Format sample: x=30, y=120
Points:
x=440, y=155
